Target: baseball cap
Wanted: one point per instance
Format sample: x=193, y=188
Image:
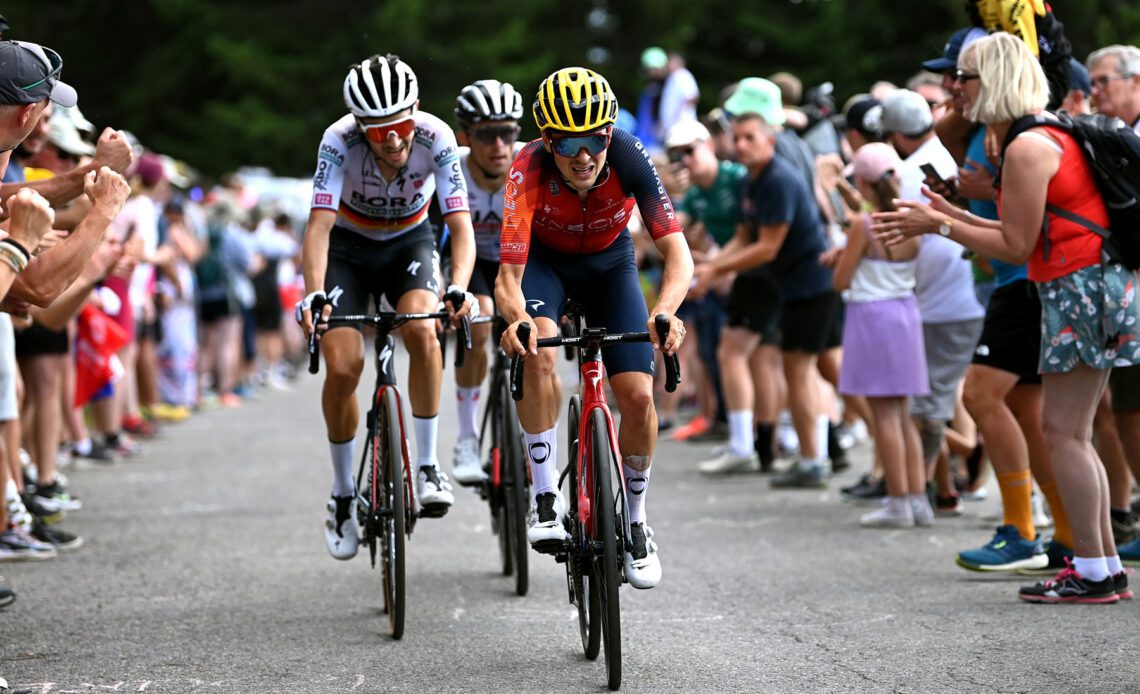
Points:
x=64, y=135
x=150, y=169
x=874, y=160
x=906, y=113
x=866, y=116
x=757, y=95
x=686, y=133
x=1079, y=77
x=954, y=45
x=29, y=73
x=654, y=58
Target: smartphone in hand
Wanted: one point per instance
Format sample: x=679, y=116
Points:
x=947, y=188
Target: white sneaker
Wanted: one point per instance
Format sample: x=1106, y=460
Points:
x=341, y=537
x=465, y=465
x=894, y=513
x=642, y=567
x=726, y=461
x=921, y=510
x=433, y=492
x=1041, y=519
x=544, y=529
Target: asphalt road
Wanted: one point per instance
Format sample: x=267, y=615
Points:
x=204, y=570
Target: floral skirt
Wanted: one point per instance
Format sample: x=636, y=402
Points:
x=1090, y=316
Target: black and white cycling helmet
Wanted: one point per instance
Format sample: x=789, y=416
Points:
x=488, y=100
x=380, y=86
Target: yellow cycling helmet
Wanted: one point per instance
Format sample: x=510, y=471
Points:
x=576, y=100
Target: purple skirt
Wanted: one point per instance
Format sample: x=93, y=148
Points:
x=883, y=351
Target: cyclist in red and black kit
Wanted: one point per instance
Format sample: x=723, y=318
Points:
x=569, y=198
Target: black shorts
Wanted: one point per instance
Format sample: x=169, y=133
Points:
x=835, y=337
x=361, y=269
x=806, y=324
x=608, y=287
x=37, y=340
x=149, y=330
x=1125, y=385
x=1011, y=332
x=753, y=303
x=483, y=278
x=213, y=310
x=267, y=309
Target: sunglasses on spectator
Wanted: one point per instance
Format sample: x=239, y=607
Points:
x=963, y=76
x=1102, y=81
x=509, y=134
x=56, y=67
x=594, y=144
x=379, y=132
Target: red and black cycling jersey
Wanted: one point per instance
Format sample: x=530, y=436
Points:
x=539, y=204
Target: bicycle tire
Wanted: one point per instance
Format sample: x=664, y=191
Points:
x=392, y=517
x=577, y=563
x=499, y=495
x=607, y=567
x=515, y=488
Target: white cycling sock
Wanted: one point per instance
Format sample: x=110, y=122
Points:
x=342, y=457
x=467, y=405
x=636, y=484
x=1114, y=565
x=741, y=438
x=427, y=431
x=542, y=452
x=1092, y=568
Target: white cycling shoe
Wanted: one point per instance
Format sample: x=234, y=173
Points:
x=341, y=536
x=465, y=465
x=544, y=529
x=642, y=567
x=433, y=492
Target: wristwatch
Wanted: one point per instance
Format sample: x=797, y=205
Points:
x=946, y=227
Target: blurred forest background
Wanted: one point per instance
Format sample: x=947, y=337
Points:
x=223, y=84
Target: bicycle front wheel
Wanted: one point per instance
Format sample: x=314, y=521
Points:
x=606, y=573
x=390, y=490
x=515, y=488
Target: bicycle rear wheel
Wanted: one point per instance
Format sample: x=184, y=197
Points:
x=390, y=518
x=606, y=572
x=516, y=493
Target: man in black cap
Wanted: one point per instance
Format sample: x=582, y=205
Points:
x=29, y=79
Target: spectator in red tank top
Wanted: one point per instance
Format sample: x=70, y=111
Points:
x=1086, y=304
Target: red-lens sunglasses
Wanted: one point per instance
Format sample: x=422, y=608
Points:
x=379, y=132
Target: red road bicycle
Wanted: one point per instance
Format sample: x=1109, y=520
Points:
x=597, y=520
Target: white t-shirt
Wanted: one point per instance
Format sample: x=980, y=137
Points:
x=678, y=100
x=945, y=289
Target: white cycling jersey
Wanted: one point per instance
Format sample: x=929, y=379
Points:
x=486, y=210
x=348, y=179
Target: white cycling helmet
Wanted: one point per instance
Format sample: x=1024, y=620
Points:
x=488, y=100
x=380, y=86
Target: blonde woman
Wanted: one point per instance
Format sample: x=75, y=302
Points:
x=1089, y=317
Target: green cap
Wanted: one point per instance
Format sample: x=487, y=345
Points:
x=757, y=95
x=654, y=58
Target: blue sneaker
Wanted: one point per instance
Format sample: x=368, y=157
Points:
x=1007, y=551
x=1130, y=552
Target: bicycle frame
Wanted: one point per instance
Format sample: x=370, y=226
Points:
x=385, y=380
x=592, y=390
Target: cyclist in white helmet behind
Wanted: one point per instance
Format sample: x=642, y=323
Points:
x=488, y=112
x=368, y=234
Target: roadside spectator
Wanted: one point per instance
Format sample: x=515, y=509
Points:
x=654, y=66
x=679, y=95
x=1089, y=312
x=882, y=314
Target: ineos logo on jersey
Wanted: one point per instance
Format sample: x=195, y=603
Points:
x=539, y=452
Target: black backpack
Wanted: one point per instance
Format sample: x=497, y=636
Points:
x=1112, y=150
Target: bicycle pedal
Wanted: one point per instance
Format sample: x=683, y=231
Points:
x=434, y=511
x=551, y=547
